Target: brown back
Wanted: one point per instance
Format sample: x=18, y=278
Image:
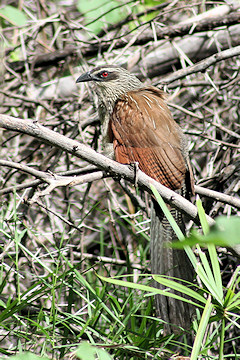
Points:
x=143, y=130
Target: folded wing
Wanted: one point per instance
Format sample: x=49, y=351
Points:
x=142, y=130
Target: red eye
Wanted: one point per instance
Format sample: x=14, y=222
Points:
x=104, y=74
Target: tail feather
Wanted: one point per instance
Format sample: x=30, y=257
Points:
x=171, y=262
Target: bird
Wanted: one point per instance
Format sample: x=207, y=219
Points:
x=137, y=127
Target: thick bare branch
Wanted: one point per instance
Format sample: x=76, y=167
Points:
x=112, y=167
x=196, y=47
x=226, y=199
x=202, y=65
x=61, y=180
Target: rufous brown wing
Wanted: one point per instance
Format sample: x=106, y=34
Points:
x=143, y=130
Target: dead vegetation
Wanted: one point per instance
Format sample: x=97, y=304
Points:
x=191, y=49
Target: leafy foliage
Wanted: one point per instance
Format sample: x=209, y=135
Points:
x=13, y=15
x=226, y=233
x=218, y=303
x=96, y=14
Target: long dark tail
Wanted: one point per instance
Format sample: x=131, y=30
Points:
x=171, y=262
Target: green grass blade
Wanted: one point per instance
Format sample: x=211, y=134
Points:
x=179, y=287
x=202, y=216
x=174, y=225
x=216, y=269
x=206, y=275
x=167, y=213
x=201, y=329
x=149, y=289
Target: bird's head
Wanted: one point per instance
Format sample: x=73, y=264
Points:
x=111, y=80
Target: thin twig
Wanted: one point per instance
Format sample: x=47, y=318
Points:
x=28, y=100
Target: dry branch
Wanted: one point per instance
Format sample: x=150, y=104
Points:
x=92, y=48
x=182, y=29
x=202, y=65
x=111, y=167
x=217, y=196
x=196, y=47
x=57, y=180
x=85, y=176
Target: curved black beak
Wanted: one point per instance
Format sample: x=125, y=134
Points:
x=84, y=77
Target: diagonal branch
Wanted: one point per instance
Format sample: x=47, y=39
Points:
x=217, y=196
x=113, y=168
x=201, y=66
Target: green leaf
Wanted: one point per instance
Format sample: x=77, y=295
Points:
x=103, y=355
x=192, y=240
x=226, y=232
x=206, y=275
x=86, y=351
x=232, y=299
x=27, y=356
x=216, y=269
x=152, y=2
x=13, y=15
x=101, y=12
x=179, y=287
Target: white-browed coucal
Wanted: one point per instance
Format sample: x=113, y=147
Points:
x=137, y=126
